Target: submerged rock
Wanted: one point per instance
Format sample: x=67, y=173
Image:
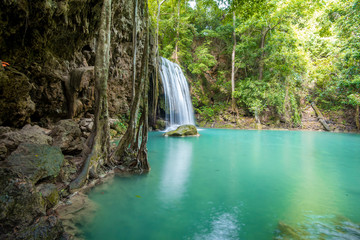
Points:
x=77, y=212
x=36, y=161
x=319, y=227
x=184, y=130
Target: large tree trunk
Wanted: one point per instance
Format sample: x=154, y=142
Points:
x=233, y=67
x=142, y=162
x=136, y=159
x=99, y=141
x=134, y=49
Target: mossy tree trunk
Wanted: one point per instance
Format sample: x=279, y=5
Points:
x=99, y=141
x=127, y=152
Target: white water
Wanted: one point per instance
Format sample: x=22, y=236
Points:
x=179, y=110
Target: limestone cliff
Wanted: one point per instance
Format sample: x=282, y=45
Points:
x=49, y=45
x=47, y=56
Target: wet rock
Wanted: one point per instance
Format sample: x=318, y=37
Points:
x=36, y=161
x=19, y=202
x=184, y=130
x=160, y=124
x=28, y=134
x=319, y=227
x=49, y=193
x=78, y=210
x=67, y=135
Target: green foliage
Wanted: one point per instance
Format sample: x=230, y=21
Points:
x=203, y=59
x=311, y=48
x=208, y=113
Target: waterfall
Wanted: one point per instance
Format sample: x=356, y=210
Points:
x=178, y=106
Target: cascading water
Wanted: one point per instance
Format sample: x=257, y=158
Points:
x=179, y=110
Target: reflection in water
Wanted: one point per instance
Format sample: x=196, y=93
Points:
x=222, y=226
x=176, y=170
x=312, y=177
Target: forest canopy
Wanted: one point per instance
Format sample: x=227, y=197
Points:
x=287, y=53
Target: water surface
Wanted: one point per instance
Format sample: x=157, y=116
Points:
x=231, y=184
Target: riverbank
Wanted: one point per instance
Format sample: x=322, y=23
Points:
x=36, y=167
x=338, y=121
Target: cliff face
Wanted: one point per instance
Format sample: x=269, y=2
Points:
x=47, y=51
x=49, y=45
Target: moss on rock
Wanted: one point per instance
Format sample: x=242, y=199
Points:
x=182, y=131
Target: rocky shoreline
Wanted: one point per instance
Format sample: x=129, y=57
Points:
x=36, y=167
x=338, y=121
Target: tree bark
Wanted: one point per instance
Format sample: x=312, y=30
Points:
x=233, y=67
x=357, y=117
x=134, y=49
x=99, y=140
x=129, y=142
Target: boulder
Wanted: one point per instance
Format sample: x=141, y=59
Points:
x=49, y=193
x=184, y=130
x=19, y=202
x=4, y=130
x=67, y=135
x=28, y=134
x=45, y=227
x=36, y=161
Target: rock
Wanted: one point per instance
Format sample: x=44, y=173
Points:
x=28, y=134
x=319, y=227
x=15, y=102
x=49, y=193
x=19, y=202
x=3, y=151
x=67, y=135
x=79, y=210
x=4, y=130
x=36, y=161
x=46, y=227
x=68, y=170
x=184, y=130
x=160, y=124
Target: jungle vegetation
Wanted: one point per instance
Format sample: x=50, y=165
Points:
x=265, y=57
